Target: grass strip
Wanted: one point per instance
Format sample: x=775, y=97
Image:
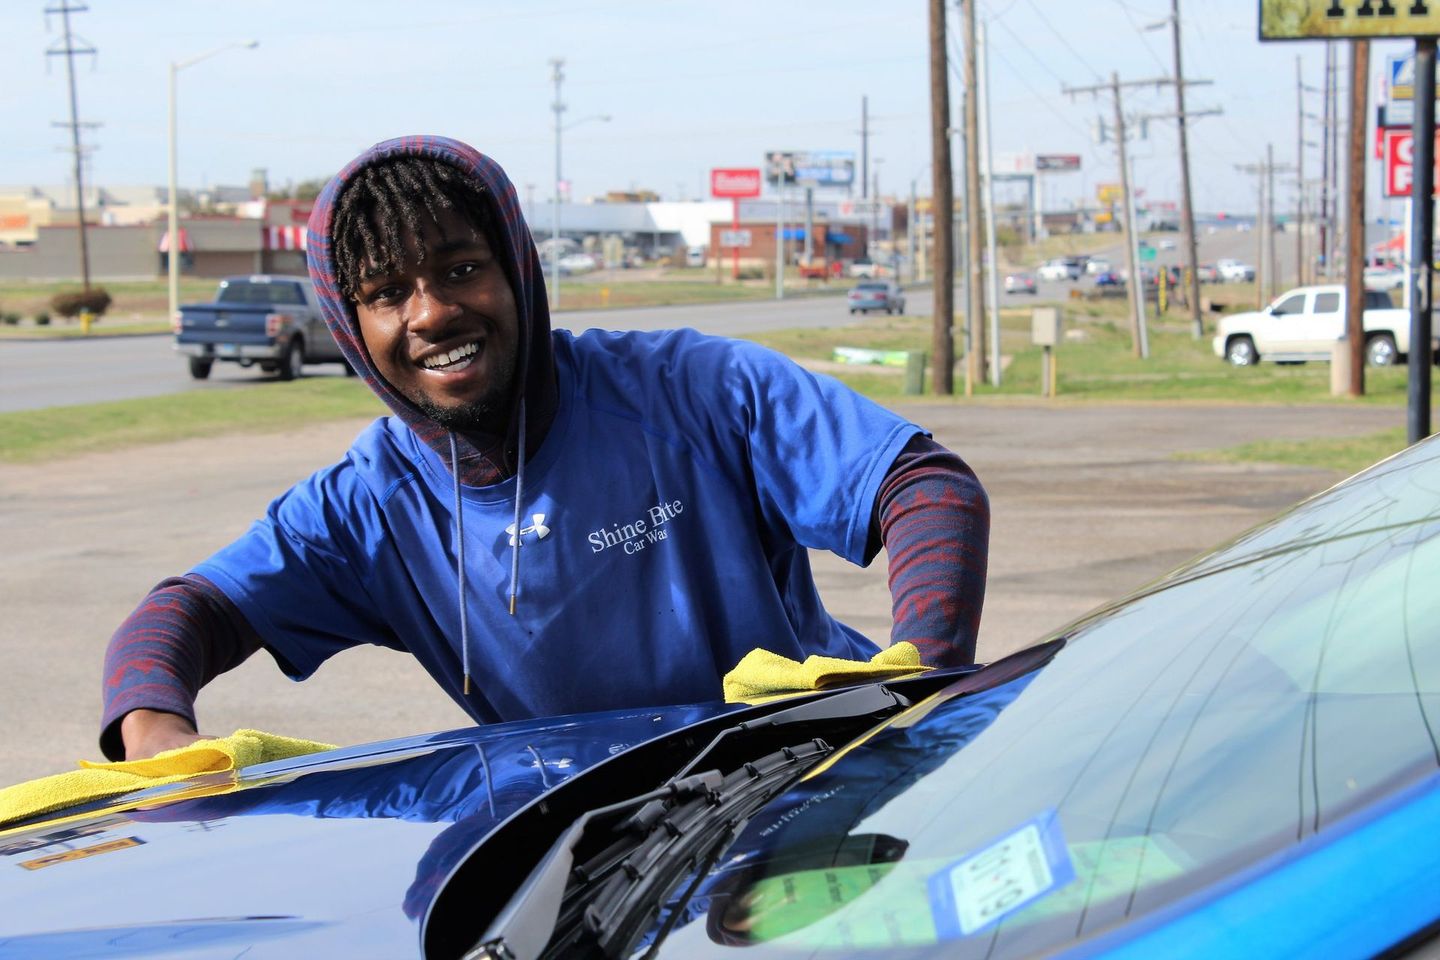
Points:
x=1348, y=454
x=28, y=436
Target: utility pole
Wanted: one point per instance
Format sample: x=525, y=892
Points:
x=942, y=344
x=1136, y=283
x=1264, y=172
x=1355, y=200
x=989, y=201
x=975, y=308
x=1187, y=209
x=1326, y=122
x=864, y=147
x=1299, y=174
x=69, y=51
x=557, y=74
x=1422, y=234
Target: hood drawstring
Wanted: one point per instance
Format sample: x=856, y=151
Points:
x=515, y=540
x=460, y=564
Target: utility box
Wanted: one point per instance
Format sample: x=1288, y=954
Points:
x=1045, y=326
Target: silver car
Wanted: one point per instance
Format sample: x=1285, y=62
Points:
x=870, y=295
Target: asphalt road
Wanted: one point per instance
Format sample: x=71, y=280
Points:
x=1087, y=505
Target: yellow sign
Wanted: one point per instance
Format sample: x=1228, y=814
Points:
x=1334, y=19
x=1108, y=193
x=65, y=856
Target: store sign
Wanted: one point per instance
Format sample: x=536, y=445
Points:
x=734, y=238
x=1337, y=19
x=1400, y=161
x=810, y=168
x=735, y=183
x=1056, y=162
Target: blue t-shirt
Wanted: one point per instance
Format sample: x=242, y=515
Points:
x=665, y=521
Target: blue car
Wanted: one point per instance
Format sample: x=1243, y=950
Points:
x=1240, y=759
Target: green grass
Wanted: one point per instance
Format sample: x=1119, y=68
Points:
x=1349, y=454
x=31, y=435
x=1098, y=367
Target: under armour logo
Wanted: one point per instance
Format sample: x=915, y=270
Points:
x=536, y=527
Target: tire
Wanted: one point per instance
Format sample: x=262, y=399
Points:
x=1240, y=352
x=292, y=365
x=200, y=367
x=852, y=311
x=1380, y=351
x=900, y=309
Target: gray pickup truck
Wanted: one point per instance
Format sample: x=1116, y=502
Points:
x=273, y=321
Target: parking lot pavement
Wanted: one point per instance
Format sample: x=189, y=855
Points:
x=1086, y=502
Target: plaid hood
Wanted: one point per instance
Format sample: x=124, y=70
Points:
x=481, y=459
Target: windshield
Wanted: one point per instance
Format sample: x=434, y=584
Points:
x=248, y=291
x=1250, y=703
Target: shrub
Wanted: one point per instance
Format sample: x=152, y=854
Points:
x=10, y=319
x=42, y=319
x=69, y=303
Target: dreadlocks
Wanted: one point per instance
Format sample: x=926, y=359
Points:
x=384, y=203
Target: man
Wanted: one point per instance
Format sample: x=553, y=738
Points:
x=550, y=523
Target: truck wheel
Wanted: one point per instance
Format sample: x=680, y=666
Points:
x=1380, y=350
x=200, y=367
x=1240, y=351
x=293, y=363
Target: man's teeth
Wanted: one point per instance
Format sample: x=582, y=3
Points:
x=453, y=357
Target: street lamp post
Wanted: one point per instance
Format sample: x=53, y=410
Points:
x=558, y=76
x=172, y=247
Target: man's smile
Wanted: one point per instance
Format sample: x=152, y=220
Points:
x=453, y=360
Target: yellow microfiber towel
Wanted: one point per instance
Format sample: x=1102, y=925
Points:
x=94, y=781
x=761, y=674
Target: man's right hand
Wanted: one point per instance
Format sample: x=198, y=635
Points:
x=148, y=732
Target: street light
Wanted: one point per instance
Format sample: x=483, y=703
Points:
x=172, y=247
x=555, y=225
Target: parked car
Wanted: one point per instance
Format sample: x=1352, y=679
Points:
x=867, y=269
x=1304, y=323
x=1020, y=283
x=1384, y=276
x=1109, y=278
x=1237, y=759
x=1165, y=244
x=272, y=321
x=870, y=295
x=1208, y=273
x=1234, y=271
x=1097, y=265
x=1061, y=269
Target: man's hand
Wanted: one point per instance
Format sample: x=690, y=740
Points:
x=148, y=732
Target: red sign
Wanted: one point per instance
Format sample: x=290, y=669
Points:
x=735, y=183
x=1400, y=160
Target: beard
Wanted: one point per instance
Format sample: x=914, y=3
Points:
x=488, y=414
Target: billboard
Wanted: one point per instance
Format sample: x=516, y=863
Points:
x=1055, y=162
x=810, y=168
x=735, y=183
x=1336, y=19
x=1400, y=161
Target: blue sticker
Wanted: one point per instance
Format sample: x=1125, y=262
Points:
x=1002, y=877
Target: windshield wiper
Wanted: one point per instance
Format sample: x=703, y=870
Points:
x=529, y=921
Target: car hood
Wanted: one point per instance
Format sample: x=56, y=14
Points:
x=220, y=867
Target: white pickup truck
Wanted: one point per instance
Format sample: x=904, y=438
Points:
x=1304, y=323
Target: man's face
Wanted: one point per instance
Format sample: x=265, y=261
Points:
x=445, y=332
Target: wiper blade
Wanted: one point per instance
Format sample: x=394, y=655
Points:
x=529, y=920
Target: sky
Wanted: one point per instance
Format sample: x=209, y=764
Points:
x=688, y=86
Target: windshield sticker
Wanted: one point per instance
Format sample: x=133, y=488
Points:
x=1003, y=877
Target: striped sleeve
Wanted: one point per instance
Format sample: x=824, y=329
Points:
x=185, y=633
x=934, y=520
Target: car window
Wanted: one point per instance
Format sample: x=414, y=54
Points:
x=1327, y=303
x=246, y=291
x=871, y=287
x=1378, y=300
x=1295, y=304
x=1242, y=709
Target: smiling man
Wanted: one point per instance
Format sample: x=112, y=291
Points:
x=550, y=523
